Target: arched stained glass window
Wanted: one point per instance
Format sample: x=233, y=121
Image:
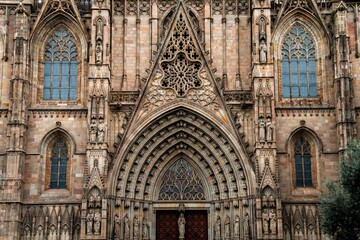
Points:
x=181, y=182
x=61, y=66
x=303, y=163
x=59, y=158
x=298, y=64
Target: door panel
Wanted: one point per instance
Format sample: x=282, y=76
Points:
x=166, y=225
x=196, y=227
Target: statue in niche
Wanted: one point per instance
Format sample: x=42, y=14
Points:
x=98, y=52
x=262, y=131
x=117, y=223
x=89, y=222
x=101, y=131
x=93, y=130
x=136, y=226
x=262, y=51
x=181, y=224
x=217, y=228
x=126, y=227
x=246, y=224
x=97, y=223
x=237, y=226
x=145, y=230
x=227, y=228
x=99, y=29
x=272, y=217
x=265, y=222
x=269, y=130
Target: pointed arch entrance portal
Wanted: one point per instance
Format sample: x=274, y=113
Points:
x=181, y=183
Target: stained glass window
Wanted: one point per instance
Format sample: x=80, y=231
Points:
x=181, y=182
x=58, y=161
x=60, y=67
x=302, y=163
x=298, y=64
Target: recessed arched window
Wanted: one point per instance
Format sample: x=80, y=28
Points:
x=298, y=64
x=60, y=66
x=58, y=159
x=302, y=155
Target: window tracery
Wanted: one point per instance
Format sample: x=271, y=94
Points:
x=59, y=158
x=181, y=182
x=302, y=155
x=298, y=64
x=61, y=66
x=181, y=62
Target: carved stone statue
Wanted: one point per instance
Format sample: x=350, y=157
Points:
x=262, y=127
x=227, y=228
x=93, y=130
x=265, y=222
x=273, y=219
x=181, y=223
x=217, y=228
x=101, y=131
x=237, y=226
x=262, y=51
x=246, y=225
x=145, y=230
x=269, y=130
x=126, y=227
x=98, y=52
x=89, y=222
x=117, y=223
x=97, y=223
x=136, y=226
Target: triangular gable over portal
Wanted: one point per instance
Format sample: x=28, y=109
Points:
x=181, y=76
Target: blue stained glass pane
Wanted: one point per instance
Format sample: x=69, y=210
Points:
x=47, y=68
x=56, y=82
x=298, y=170
x=57, y=66
x=65, y=81
x=64, y=94
x=73, y=94
x=47, y=81
x=73, y=81
x=46, y=94
x=73, y=68
x=55, y=94
x=285, y=78
x=65, y=68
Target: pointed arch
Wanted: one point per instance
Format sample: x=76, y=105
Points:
x=181, y=179
x=303, y=75
x=40, y=36
x=304, y=148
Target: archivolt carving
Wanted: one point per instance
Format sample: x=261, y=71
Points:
x=184, y=133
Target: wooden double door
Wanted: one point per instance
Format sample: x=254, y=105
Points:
x=196, y=226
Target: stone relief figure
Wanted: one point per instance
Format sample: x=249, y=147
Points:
x=122, y=122
x=227, y=228
x=117, y=223
x=246, y=225
x=265, y=222
x=93, y=130
x=269, y=130
x=97, y=223
x=99, y=41
x=101, y=131
x=136, y=226
x=181, y=224
x=89, y=222
x=98, y=52
x=126, y=227
x=145, y=230
x=217, y=228
x=262, y=51
x=273, y=219
x=237, y=226
x=262, y=127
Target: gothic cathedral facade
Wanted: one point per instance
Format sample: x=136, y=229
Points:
x=173, y=119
